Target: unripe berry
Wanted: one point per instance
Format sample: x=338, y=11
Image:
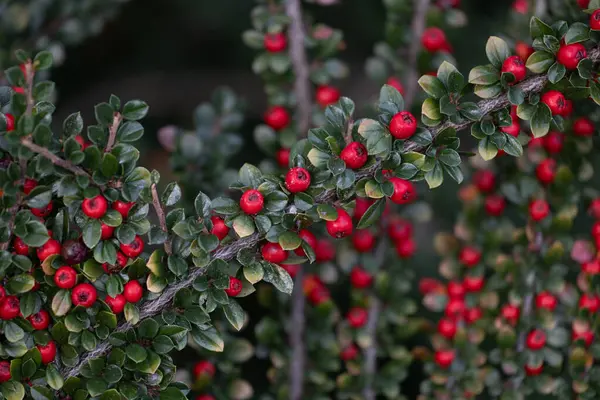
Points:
x=350, y=352
x=396, y=84
x=444, y=358
x=40, y=320
x=65, y=277
x=309, y=238
x=406, y=248
x=484, y=180
x=4, y=371
x=583, y=127
x=494, y=205
x=277, y=117
x=447, y=328
x=122, y=207
x=42, y=212
x=469, y=256
x=403, y=125
x=235, y=287
x=546, y=171
x=297, y=180
x=589, y=302
x=553, y=142
x=219, y=229
x=84, y=295
x=275, y=42
x=363, y=240
x=360, y=279
x=555, y=100
x=283, y=157
x=545, y=300
x=204, y=368
x=539, y=209
x=106, y=231
x=252, y=201
x=95, y=207
x=341, y=226
x=48, y=249
x=48, y=352
x=569, y=55
x=399, y=229
x=536, y=339
x=116, y=304
x=327, y=95
x=404, y=191
x=354, y=155
x=20, y=247
x=357, y=317
x=434, y=39
x=595, y=20
x=133, y=291
x=523, y=50
x=516, y=66
x=134, y=248
x=10, y=307
x=273, y=252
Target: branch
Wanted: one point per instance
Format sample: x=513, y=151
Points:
x=417, y=28
x=160, y=212
x=26, y=141
x=29, y=77
x=112, y=131
x=297, y=338
x=300, y=65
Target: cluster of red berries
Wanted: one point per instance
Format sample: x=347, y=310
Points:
x=494, y=202
x=204, y=370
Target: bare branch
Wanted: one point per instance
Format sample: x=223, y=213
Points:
x=417, y=28
x=112, y=131
x=26, y=141
x=160, y=212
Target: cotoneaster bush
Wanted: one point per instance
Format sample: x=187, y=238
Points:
x=105, y=277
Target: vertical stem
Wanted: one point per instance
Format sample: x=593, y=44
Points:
x=297, y=338
x=160, y=212
x=417, y=28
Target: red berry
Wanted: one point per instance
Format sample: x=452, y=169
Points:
x=553, y=142
x=404, y=191
x=10, y=122
x=309, y=238
x=133, y=291
x=595, y=20
x=2, y=292
x=484, y=180
x=473, y=283
x=4, y=371
x=319, y=295
x=583, y=127
x=594, y=208
x=539, y=209
x=297, y=180
x=48, y=249
x=324, y=250
x=327, y=95
x=396, y=84
x=106, y=231
x=546, y=301
x=583, y=3
x=399, y=229
x=596, y=229
x=555, y=100
x=122, y=207
x=510, y=313
x=587, y=337
x=134, y=248
x=591, y=267
x=495, y=204
x=48, y=352
x=357, y=317
x=40, y=320
x=406, y=248
x=121, y=259
x=403, y=125
x=513, y=129
x=354, y=155
x=84, y=295
x=569, y=55
x=473, y=315
x=219, y=229
x=568, y=108
x=73, y=251
x=10, y=307
x=65, y=277
x=20, y=247
x=429, y=285
x=361, y=206
x=29, y=185
x=204, y=368
x=363, y=240
x=95, y=207
x=205, y=397
x=350, y=352
x=546, y=171
x=444, y=358
x=447, y=328
x=18, y=90
x=275, y=42
x=589, y=302
x=252, y=201
x=456, y=290
x=116, y=304
x=536, y=339
x=360, y=279
x=277, y=117
x=79, y=139
x=434, y=39
x=523, y=50
x=341, y=226
x=291, y=269
x=516, y=66
x=455, y=308
x=42, y=212
x=235, y=287
x=469, y=256
x=283, y=157
x=534, y=370
x=520, y=6
x=273, y=252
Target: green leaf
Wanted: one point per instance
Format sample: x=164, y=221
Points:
x=279, y=278
x=39, y=197
x=135, y=110
x=243, y=225
x=435, y=177
x=540, y=122
x=235, y=314
x=556, y=72
x=21, y=283
x=253, y=272
x=487, y=149
x=53, y=377
x=12, y=390
x=135, y=182
x=431, y=109
x=73, y=124
x=378, y=139
x=177, y=265
x=42, y=60
x=250, y=176
x=513, y=147
x=449, y=157
x=130, y=131
x=578, y=32
x=148, y=328
x=225, y=206
x=172, y=393
x=538, y=28
x=515, y=95
x=289, y=241
x=484, y=75
x=14, y=333
x=136, y=353
x=203, y=205
x=318, y=158
x=471, y=111
x=390, y=100
x=540, y=61
x=373, y=214
x=104, y=114
x=171, y=195
x=91, y=233
x=432, y=86
x=497, y=51
x=487, y=91
x=210, y=339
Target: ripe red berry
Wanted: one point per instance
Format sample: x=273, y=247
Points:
x=406, y=248
x=134, y=248
x=583, y=3
x=42, y=212
x=2, y=292
x=595, y=20
x=539, y=209
x=586, y=336
x=484, y=180
x=252, y=201
x=20, y=247
x=133, y=291
x=275, y=42
x=327, y=95
x=523, y=50
x=10, y=122
x=350, y=352
x=106, y=231
x=48, y=249
x=404, y=191
x=324, y=250
x=546, y=171
x=10, y=307
x=583, y=127
x=546, y=301
x=569, y=55
x=277, y=117
x=534, y=370
x=536, y=339
x=273, y=252
x=594, y=208
x=204, y=368
x=361, y=206
x=84, y=295
x=403, y=125
x=309, y=238
x=291, y=269
x=510, y=313
x=434, y=39
x=429, y=285
x=283, y=157
x=235, y=287
x=48, y=352
x=589, y=302
x=95, y=207
x=591, y=267
x=40, y=320
x=469, y=256
x=319, y=296
x=354, y=155
x=4, y=371
x=122, y=207
x=357, y=317
x=513, y=129
x=596, y=229
x=516, y=66
x=399, y=229
x=341, y=226
x=473, y=314
x=396, y=84
x=568, y=108
x=205, y=397
x=447, y=328
x=494, y=205
x=297, y=180
x=29, y=185
x=360, y=279
x=65, y=277
x=473, y=283
x=444, y=358
x=555, y=100
x=520, y=6
x=363, y=240
x=455, y=308
x=18, y=90
x=553, y=142
x=79, y=139
x=116, y=304
x=456, y=290
x=219, y=229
